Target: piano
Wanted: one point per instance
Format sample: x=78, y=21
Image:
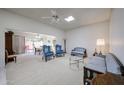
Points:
x=102, y=65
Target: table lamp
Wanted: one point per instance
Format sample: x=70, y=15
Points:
x=100, y=43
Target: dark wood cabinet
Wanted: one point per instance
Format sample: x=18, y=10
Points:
x=9, y=43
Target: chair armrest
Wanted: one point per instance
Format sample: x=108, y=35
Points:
x=72, y=50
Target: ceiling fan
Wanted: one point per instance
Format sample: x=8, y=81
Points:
x=54, y=18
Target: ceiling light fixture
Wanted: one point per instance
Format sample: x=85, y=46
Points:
x=69, y=19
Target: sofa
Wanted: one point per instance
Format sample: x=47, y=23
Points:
x=79, y=51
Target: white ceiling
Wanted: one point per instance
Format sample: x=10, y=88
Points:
x=83, y=16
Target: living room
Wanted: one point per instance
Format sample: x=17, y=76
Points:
x=88, y=26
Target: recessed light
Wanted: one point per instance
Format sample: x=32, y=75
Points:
x=69, y=19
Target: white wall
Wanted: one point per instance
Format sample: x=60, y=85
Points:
x=2, y=47
x=117, y=33
x=2, y=57
x=86, y=37
x=19, y=23
x=18, y=44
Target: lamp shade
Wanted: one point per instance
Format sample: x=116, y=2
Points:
x=100, y=42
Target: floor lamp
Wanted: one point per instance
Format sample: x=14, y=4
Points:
x=100, y=43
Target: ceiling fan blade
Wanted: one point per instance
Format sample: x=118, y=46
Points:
x=53, y=12
x=46, y=17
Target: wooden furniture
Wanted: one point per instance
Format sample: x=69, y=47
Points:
x=39, y=50
x=7, y=57
x=99, y=65
x=108, y=79
x=9, y=44
x=95, y=52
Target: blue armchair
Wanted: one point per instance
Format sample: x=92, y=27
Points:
x=59, y=51
x=47, y=53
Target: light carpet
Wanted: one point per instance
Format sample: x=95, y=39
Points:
x=32, y=70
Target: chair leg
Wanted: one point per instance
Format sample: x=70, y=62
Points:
x=42, y=57
x=53, y=56
x=15, y=59
x=46, y=59
x=6, y=60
